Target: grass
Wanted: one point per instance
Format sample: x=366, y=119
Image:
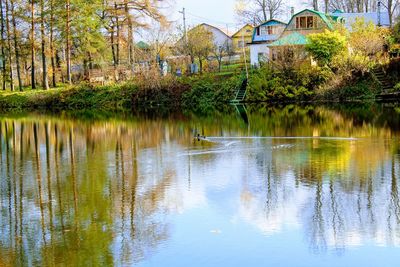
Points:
x=68, y=98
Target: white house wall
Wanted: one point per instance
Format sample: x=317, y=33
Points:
x=220, y=38
x=255, y=50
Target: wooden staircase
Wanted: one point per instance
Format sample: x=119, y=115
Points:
x=382, y=78
x=241, y=93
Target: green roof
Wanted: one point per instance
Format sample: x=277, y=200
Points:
x=142, y=45
x=325, y=18
x=291, y=39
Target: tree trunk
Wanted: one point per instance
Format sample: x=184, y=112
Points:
x=16, y=46
x=326, y=6
x=264, y=10
x=44, y=63
x=130, y=34
x=201, y=65
x=3, y=55
x=53, y=61
x=114, y=56
x=33, y=80
x=118, y=34
x=315, y=5
x=68, y=7
x=9, y=46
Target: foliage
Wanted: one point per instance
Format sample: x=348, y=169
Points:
x=199, y=44
x=349, y=64
x=199, y=93
x=367, y=38
x=397, y=87
x=207, y=93
x=351, y=88
x=268, y=84
x=396, y=32
x=324, y=46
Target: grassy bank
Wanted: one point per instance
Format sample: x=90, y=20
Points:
x=197, y=93
x=69, y=98
x=201, y=94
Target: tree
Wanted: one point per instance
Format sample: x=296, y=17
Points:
x=199, y=44
x=8, y=27
x=396, y=31
x=32, y=43
x=324, y=46
x=52, y=52
x=220, y=51
x=68, y=41
x=16, y=44
x=3, y=44
x=392, y=6
x=258, y=11
x=68, y=32
x=367, y=38
x=45, y=83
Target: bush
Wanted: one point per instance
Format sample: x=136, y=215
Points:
x=268, y=84
x=397, y=87
x=208, y=93
x=351, y=88
x=324, y=46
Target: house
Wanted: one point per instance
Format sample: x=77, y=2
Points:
x=377, y=18
x=220, y=37
x=263, y=35
x=304, y=23
x=241, y=38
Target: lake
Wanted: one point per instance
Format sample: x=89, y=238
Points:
x=252, y=186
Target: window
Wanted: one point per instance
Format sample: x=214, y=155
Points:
x=263, y=30
x=248, y=31
x=306, y=22
x=258, y=31
x=270, y=30
x=310, y=22
x=262, y=57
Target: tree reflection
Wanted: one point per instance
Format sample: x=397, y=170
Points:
x=83, y=193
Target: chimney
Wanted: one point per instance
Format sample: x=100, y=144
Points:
x=292, y=11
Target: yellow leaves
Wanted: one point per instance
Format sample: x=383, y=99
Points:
x=367, y=38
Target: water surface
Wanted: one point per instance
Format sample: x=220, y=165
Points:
x=276, y=186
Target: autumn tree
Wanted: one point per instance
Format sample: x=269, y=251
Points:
x=367, y=38
x=199, y=45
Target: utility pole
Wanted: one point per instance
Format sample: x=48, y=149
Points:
x=183, y=12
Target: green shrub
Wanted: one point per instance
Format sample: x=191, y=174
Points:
x=397, y=87
x=267, y=84
x=324, y=46
x=207, y=93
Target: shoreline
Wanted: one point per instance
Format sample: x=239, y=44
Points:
x=126, y=97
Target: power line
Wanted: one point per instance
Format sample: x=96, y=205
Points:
x=211, y=20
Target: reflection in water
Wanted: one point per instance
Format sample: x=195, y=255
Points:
x=111, y=192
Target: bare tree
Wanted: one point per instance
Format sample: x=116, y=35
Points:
x=392, y=6
x=220, y=51
x=258, y=11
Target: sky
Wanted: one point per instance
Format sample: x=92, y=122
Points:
x=220, y=13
